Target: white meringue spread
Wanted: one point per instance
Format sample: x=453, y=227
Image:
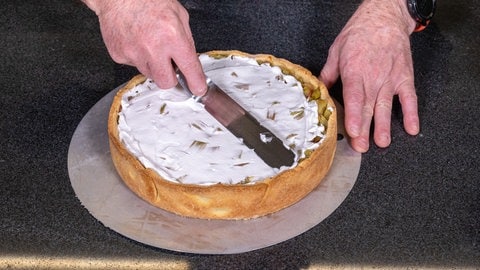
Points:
x=176, y=137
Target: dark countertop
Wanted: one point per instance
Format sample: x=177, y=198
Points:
x=416, y=203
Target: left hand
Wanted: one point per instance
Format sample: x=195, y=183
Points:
x=373, y=58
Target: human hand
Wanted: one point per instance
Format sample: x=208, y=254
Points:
x=150, y=34
x=373, y=58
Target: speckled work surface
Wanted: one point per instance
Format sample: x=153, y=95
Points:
x=416, y=203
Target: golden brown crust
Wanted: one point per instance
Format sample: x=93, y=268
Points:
x=222, y=201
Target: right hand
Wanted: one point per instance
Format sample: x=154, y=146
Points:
x=149, y=34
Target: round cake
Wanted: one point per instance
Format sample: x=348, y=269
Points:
x=173, y=154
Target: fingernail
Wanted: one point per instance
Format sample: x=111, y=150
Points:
x=384, y=141
x=415, y=129
x=355, y=131
x=362, y=146
x=204, y=91
x=201, y=92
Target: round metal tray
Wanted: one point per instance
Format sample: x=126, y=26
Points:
x=101, y=190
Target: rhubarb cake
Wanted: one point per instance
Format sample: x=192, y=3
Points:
x=173, y=154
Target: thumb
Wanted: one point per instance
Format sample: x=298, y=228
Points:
x=194, y=75
x=330, y=71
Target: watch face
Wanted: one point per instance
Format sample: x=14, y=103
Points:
x=425, y=8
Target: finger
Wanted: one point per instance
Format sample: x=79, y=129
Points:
x=354, y=99
x=191, y=67
x=156, y=66
x=358, y=110
x=330, y=71
x=186, y=59
x=182, y=52
x=193, y=72
x=361, y=142
x=161, y=71
x=409, y=101
x=144, y=69
x=382, y=119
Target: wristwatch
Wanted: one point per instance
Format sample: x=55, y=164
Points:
x=422, y=11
